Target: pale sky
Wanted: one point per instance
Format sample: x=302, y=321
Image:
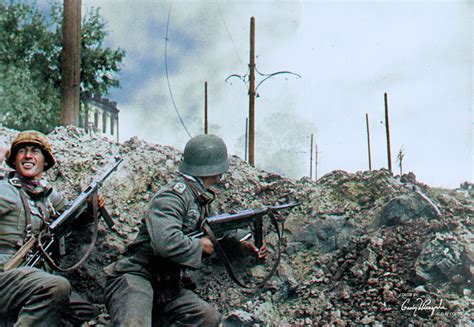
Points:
x=348, y=54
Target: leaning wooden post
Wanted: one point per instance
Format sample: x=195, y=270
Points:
x=387, y=128
x=311, y=159
x=368, y=139
x=316, y=163
x=246, y=138
x=206, y=126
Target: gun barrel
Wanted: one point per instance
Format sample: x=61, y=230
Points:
x=110, y=171
x=74, y=208
x=286, y=205
x=224, y=218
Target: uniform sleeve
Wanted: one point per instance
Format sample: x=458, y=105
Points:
x=164, y=221
x=7, y=199
x=58, y=201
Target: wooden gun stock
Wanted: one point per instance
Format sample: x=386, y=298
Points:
x=20, y=255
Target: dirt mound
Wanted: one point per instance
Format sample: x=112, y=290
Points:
x=362, y=248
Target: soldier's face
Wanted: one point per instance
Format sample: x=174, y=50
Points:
x=30, y=161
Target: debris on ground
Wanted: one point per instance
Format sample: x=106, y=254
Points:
x=363, y=248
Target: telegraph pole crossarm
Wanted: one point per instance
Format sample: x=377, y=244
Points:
x=245, y=78
x=241, y=77
x=249, y=81
x=267, y=76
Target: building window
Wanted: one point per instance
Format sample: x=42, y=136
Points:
x=111, y=125
x=86, y=119
x=96, y=121
x=104, y=122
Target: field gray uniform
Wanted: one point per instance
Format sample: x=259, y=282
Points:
x=146, y=287
x=31, y=296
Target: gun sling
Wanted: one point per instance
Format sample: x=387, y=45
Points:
x=50, y=261
x=223, y=256
x=26, y=207
x=220, y=250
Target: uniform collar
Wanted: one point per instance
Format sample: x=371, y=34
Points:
x=32, y=187
x=194, y=179
x=204, y=196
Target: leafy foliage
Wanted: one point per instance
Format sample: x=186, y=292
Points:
x=24, y=102
x=30, y=63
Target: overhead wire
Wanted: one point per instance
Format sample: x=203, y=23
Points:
x=267, y=76
x=167, y=76
x=228, y=34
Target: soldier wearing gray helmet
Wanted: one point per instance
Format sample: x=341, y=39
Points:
x=145, y=288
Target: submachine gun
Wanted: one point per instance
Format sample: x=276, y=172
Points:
x=249, y=217
x=38, y=247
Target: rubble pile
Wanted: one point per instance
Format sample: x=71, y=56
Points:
x=362, y=248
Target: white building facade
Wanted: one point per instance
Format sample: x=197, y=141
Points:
x=101, y=116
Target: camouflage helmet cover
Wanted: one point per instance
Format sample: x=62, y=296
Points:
x=34, y=138
x=205, y=155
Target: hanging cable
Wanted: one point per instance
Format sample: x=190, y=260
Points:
x=167, y=76
x=228, y=33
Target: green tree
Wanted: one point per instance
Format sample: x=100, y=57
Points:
x=30, y=63
x=22, y=103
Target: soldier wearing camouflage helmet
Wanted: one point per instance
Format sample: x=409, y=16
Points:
x=31, y=296
x=146, y=287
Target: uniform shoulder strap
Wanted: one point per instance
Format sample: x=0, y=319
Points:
x=26, y=207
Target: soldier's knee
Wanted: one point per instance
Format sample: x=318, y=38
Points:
x=59, y=288
x=211, y=317
x=134, y=321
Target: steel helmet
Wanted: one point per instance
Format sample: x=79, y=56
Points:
x=205, y=155
x=34, y=138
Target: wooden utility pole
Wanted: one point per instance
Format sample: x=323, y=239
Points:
x=368, y=139
x=252, y=94
x=253, y=90
x=71, y=63
x=206, y=126
x=387, y=128
x=316, y=163
x=311, y=159
x=246, y=138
